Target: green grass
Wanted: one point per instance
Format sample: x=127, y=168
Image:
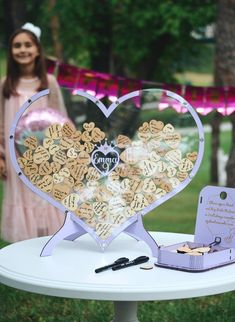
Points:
x=24, y=307
x=176, y=215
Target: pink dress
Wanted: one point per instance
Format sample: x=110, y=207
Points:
x=24, y=214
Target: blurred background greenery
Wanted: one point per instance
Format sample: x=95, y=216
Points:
x=161, y=41
x=157, y=41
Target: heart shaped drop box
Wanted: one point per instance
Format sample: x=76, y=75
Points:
x=105, y=168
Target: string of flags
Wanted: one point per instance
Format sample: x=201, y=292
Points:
x=100, y=85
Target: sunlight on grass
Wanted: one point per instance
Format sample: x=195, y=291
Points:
x=195, y=79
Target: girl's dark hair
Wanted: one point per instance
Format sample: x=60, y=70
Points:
x=13, y=72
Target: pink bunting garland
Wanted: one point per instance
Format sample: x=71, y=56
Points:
x=203, y=99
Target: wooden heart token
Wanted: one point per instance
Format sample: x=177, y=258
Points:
x=78, y=146
x=153, y=145
x=149, y=185
x=92, y=174
x=174, y=182
x=69, y=181
x=34, y=178
x=173, y=157
x=161, y=166
x=47, y=142
x=122, y=169
x=100, y=208
x=159, y=193
x=185, y=165
x=28, y=155
x=40, y=155
x=168, y=128
x=53, y=148
x=55, y=166
x=66, y=143
x=70, y=162
x=76, y=136
x=155, y=126
x=123, y=141
x=172, y=139
x=71, y=153
x=31, y=142
x=104, y=230
x=89, y=126
x=171, y=171
x=148, y=167
x=128, y=196
x=45, y=168
x=46, y=183
x=97, y=135
x=64, y=172
x=68, y=129
x=88, y=147
x=129, y=212
x=22, y=162
x=192, y=156
x=59, y=157
x=182, y=175
x=144, y=136
x=54, y=131
x=85, y=210
x=144, y=128
x=86, y=136
x=139, y=202
x=119, y=219
x=78, y=172
x=83, y=158
x=71, y=201
x=60, y=191
x=30, y=168
x=57, y=178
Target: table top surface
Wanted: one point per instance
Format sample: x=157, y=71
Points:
x=69, y=271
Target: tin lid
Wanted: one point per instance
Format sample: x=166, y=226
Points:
x=216, y=216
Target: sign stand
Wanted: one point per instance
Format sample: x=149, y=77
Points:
x=72, y=230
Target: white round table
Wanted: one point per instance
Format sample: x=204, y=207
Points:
x=69, y=272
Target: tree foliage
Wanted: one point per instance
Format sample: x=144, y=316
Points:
x=144, y=39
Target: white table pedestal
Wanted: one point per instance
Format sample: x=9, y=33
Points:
x=125, y=311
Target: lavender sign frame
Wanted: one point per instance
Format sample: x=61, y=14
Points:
x=74, y=227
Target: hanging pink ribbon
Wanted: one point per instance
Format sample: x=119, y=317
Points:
x=87, y=81
x=167, y=101
x=230, y=100
x=203, y=99
x=67, y=75
x=108, y=87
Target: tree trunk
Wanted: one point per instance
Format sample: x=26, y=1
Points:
x=55, y=28
x=215, y=143
x=230, y=168
x=14, y=16
x=101, y=29
x=225, y=63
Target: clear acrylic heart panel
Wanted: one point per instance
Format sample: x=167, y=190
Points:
x=106, y=165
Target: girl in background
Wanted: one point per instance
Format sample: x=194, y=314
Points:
x=24, y=214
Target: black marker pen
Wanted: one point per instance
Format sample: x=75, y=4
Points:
x=119, y=261
x=136, y=261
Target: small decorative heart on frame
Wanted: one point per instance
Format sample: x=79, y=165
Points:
x=107, y=167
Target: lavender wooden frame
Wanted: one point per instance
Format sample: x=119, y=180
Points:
x=74, y=227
